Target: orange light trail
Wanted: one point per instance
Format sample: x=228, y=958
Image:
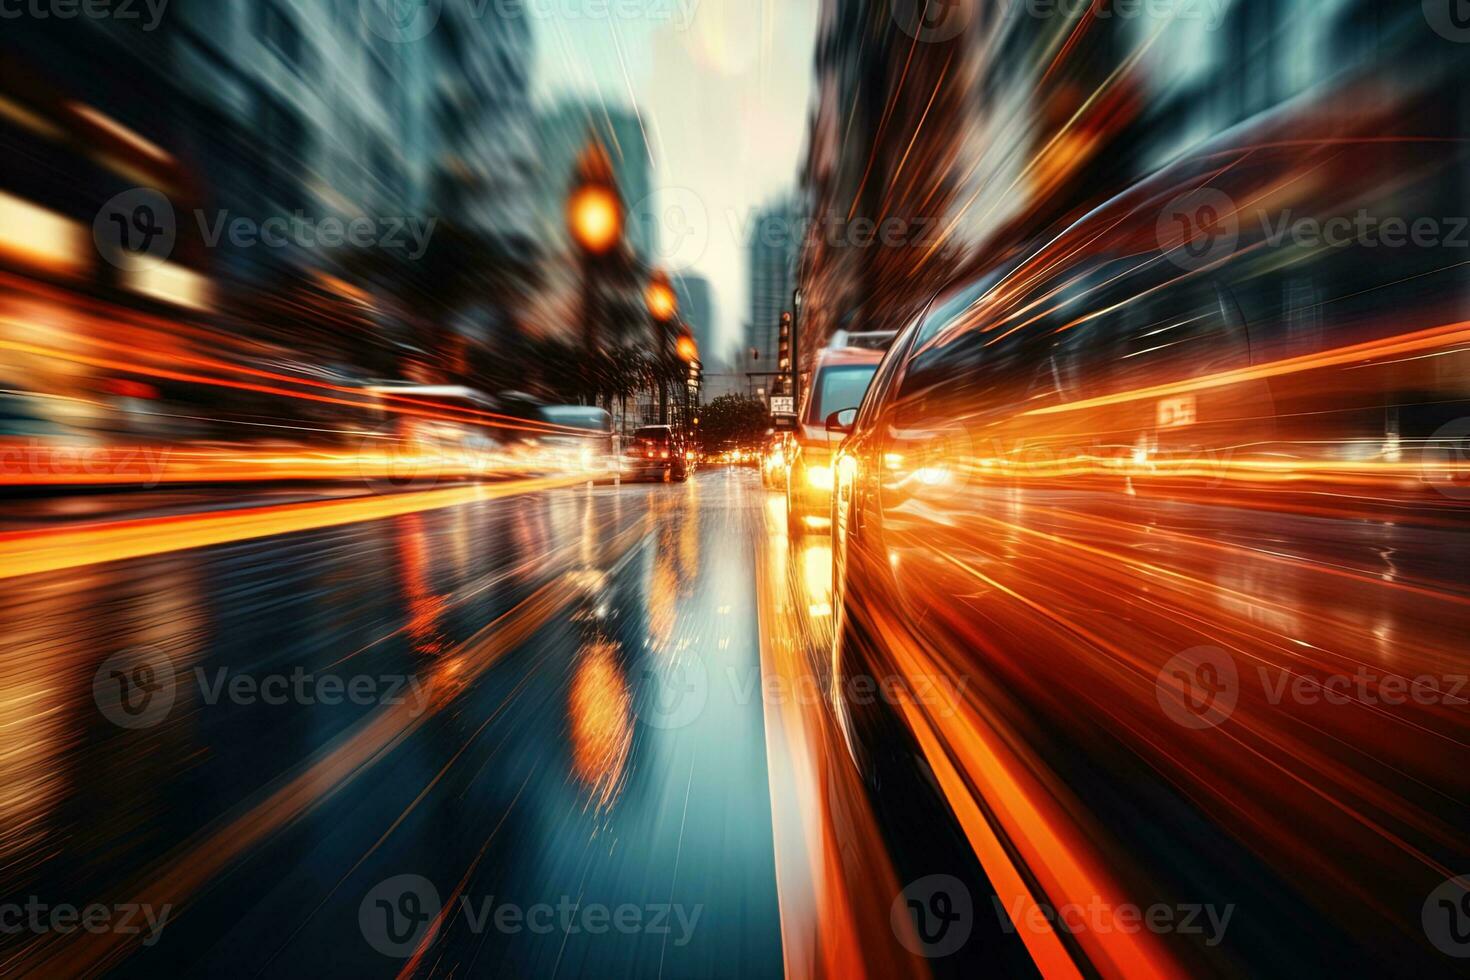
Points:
x=33, y=552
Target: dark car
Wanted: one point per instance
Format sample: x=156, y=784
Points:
x=656, y=452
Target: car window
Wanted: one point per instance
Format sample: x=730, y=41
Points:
x=839, y=387
x=878, y=389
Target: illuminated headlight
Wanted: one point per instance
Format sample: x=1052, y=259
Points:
x=819, y=477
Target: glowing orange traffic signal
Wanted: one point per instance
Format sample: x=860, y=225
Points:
x=595, y=216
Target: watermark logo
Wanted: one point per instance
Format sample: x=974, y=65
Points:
x=135, y=688
x=1198, y=228
x=396, y=914
x=679, y=222
x=933, y=21
x=1446, y=460
x=404, y=234
x=1449, y=18
x=390, y=460
x=1446, y=917
x=933, y=916
x=136, y=228
x=1199, y=687
x=672, y=696
x=401, y=21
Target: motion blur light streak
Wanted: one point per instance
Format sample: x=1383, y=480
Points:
x=829, y=488
x=31, y=552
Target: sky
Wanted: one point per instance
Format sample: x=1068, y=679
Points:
x=723, y=88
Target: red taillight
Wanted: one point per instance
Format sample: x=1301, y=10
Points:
x=664, y=454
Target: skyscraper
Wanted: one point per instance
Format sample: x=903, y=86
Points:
x=697, y=309
x=773, y=249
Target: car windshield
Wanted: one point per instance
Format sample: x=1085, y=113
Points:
x=652, y=435
x=578, y=417
x=839, y=388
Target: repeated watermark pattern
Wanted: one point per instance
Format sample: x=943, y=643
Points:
x=933, y=916
x=140, y=227
x=396, y=915
x=148, y=14
x=1101, y=917
x=137, y=688
x=1446, y=917
x=1200, y=688
x=36, y=461
x=1205, y=227
x=1449, y=18
x=37, y=917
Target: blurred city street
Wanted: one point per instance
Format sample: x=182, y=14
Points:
x=820, y=489
x=563, y=705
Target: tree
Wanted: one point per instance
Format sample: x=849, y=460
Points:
x=733, y=420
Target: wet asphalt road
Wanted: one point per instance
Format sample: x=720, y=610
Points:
x=529, y=771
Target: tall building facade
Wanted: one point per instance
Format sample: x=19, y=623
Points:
x=562, y=131
x=772, y=251
x=697, y=310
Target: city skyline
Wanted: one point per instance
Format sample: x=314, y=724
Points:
x=712, y=170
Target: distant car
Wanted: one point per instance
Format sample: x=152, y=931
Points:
x=773, y=463
x=838, y=384
x=656, y=452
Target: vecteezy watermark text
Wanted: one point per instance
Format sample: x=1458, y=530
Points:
x=396, y=915
x=1201, y=687
x=141, y=227
x=149, y=11
x=1102, y=918
x=125, y=919
x=45, y=463
x=137, y=688
x=409, y=235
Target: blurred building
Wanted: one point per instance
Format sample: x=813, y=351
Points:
x=887, y=159
x=773, y=250
x=697, y=310
x=562, y=131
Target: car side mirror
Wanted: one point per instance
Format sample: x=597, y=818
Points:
x=842, y=421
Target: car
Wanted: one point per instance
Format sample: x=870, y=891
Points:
x=773, y=463
x=656, y=452
x=1099, y=375
x=839, y=378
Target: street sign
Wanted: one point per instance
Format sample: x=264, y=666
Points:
x=783, y=405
